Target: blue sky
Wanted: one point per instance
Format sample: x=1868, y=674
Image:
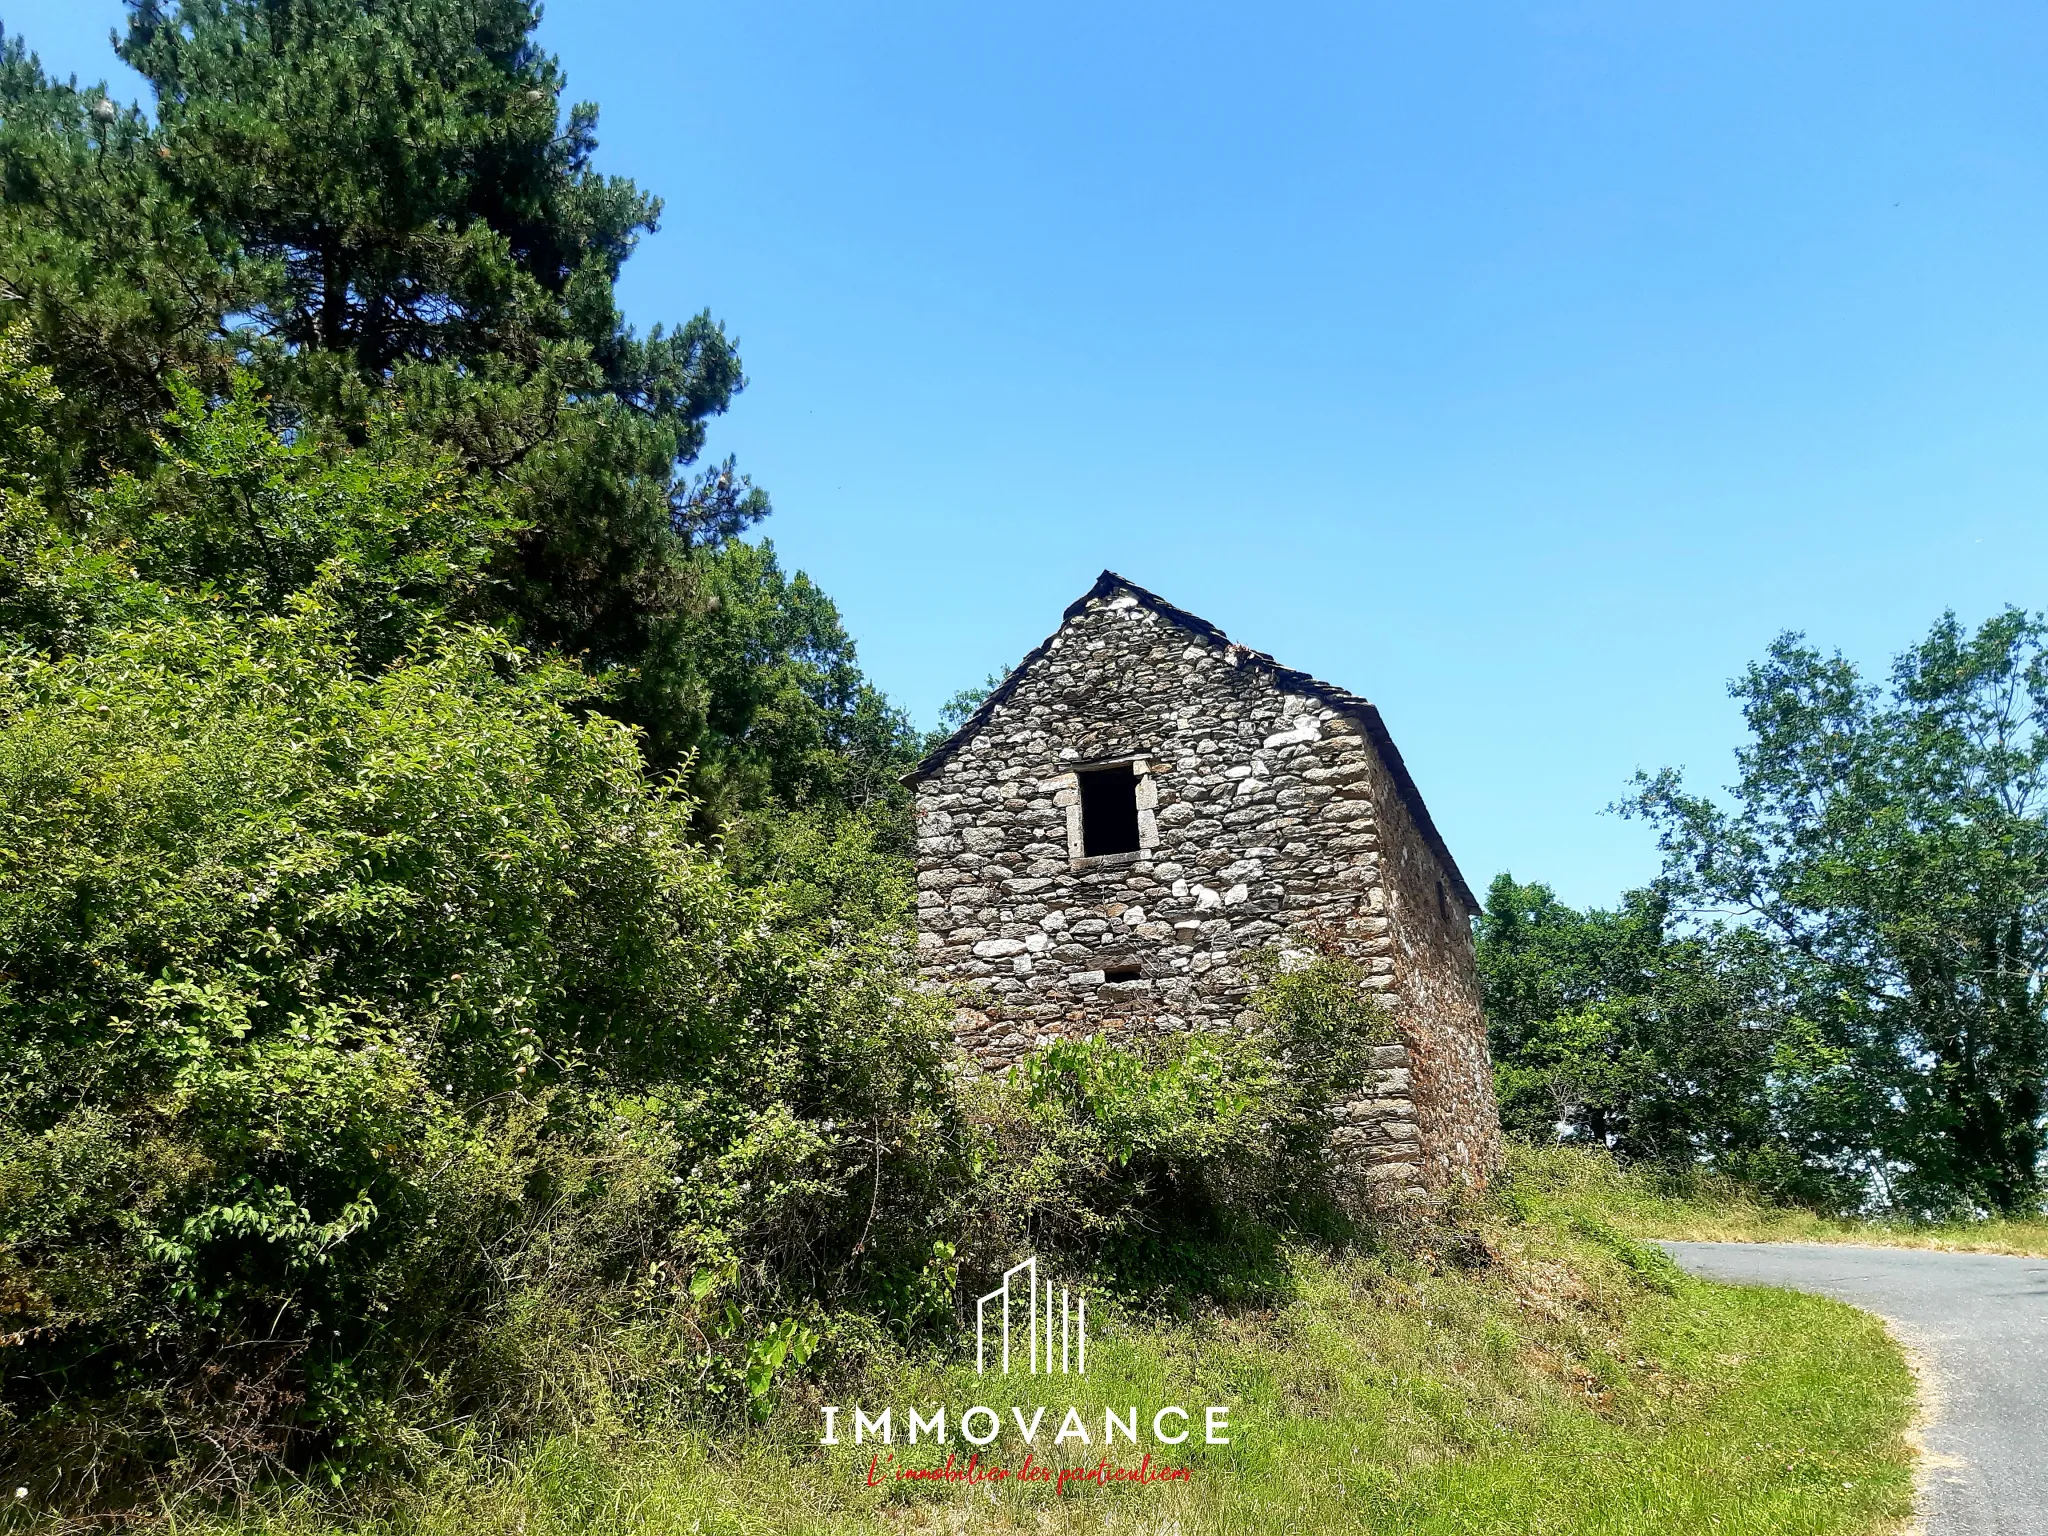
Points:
x=1525, y=368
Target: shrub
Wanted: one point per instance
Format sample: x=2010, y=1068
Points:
x=359, y=1020
x=1172, y=1165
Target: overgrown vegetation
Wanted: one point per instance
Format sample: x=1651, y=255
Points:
x=361, y=990
x=451, y=887
x=1572, y=1382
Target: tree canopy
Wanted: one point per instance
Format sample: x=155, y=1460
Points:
x=1632, y=1031
x=388, y=213
x=1891, y=843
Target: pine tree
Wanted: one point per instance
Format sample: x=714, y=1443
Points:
x=383, y=205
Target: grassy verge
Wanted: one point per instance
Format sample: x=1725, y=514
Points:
x=1573, y=1382
x=1646, y=1204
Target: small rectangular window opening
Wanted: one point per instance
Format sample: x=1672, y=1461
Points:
x=1443, y=902
x=1109, y=811
x=1121, y=973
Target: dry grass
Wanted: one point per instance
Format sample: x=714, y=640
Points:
x=1648, y=1205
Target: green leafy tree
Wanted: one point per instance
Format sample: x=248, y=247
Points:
x=782, y=712
x=1892, y=843
x=1620, y=1029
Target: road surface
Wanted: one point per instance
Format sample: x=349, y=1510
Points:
x=1979, y=1322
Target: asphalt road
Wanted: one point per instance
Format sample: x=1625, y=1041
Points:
x=1979, y=1322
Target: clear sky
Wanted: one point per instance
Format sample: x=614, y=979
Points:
x=1525, y=368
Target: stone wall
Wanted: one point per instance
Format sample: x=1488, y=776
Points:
x=1263, y=806
x=1441, y=1018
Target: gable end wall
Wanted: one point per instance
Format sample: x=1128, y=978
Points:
x=1264, y=810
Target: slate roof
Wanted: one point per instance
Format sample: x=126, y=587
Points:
x=1344, y=702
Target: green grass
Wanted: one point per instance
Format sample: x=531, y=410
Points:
x=1576, y=1384
x=1644, y=1203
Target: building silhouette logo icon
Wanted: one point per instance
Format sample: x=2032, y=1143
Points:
x=1056, y=1338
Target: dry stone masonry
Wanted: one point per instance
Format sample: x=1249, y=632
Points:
x=1143, y=807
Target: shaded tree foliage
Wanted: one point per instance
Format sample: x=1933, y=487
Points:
x=123, y=287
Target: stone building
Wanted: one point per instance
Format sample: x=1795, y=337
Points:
x=1143, y=806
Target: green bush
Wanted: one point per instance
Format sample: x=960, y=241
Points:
x=371, y=1026
x=1174, y=1166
